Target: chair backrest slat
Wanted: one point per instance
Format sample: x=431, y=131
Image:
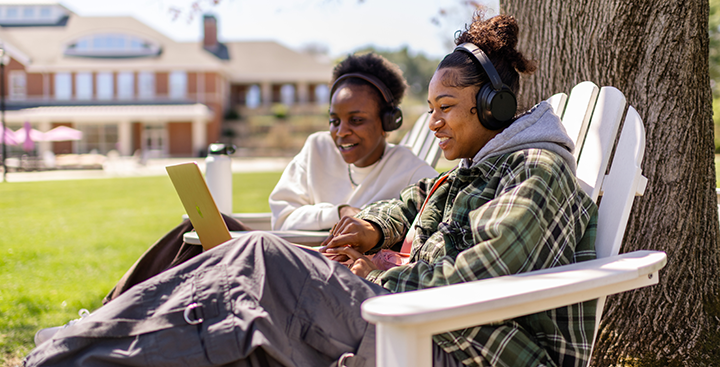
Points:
x=411, y=136
x=621, y=185
x=433, y=153
x=577, y=112
x=423, y=135
x=422, y=142
x=598, y=143
x=558, y=102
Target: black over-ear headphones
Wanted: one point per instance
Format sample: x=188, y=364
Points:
x=496, y=103
x=392, y=118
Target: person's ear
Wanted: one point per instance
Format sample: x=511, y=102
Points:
x=474, y=110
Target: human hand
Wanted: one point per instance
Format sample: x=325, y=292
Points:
x=350, y=231
x=360, y=264
x=347, y=211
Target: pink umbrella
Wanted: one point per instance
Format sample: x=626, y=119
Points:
x=27, y=136
x=62, y=133
x=9, y=135
x=22, y=134
x=28, y=144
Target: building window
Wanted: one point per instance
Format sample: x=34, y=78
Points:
x=126, y=85
x=83, y=45
x=83, y=85
x=98, y=138
x=252, y=99
x=29, y=12
x=178, y=84
x=322, y=94
x=287, y=94
x=146, y=85
x=12, y=13
x=112, y=45
x=63, y=86
x=45, y=12
x=18, y=85
x=104, y=85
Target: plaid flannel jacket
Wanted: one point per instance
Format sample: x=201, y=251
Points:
x=512, y=213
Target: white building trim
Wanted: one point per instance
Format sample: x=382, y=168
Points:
x=112, y=114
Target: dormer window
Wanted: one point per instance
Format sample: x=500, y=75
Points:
x=112, y=45
x=33, y=15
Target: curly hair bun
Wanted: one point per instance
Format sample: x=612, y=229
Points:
x=497, y=37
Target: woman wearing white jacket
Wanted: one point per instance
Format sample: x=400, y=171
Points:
x=335, y=174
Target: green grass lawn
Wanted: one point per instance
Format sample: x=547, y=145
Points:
x=64, y=244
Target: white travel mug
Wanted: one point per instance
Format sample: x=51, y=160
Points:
x=218, y=174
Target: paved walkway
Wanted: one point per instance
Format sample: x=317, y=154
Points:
x=127, y=167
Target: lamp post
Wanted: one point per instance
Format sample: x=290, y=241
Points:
x=2, y=108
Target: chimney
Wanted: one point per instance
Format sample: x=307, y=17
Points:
x=210, y=40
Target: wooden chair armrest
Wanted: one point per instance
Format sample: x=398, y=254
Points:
x=406, y=321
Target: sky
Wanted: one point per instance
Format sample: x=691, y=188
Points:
x=339, y=26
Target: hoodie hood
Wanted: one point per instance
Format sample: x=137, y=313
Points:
x=540, y=128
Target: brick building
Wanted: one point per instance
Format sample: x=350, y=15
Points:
x=130, y=88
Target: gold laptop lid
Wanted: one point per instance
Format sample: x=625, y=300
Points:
x=199, y=204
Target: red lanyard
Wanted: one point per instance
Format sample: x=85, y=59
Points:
x=437, y=184
x=407, y=243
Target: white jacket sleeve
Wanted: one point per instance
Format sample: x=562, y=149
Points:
x=291, y=201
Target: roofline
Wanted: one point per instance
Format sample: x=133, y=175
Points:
x=16, y=54
x=122, y=66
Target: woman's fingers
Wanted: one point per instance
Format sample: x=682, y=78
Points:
x=349, y=252
x=353, y=232
x=361, y=265
x=336, y=257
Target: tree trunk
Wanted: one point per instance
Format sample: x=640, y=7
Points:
x=656, y=53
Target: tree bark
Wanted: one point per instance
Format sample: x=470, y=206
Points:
x=656, y=53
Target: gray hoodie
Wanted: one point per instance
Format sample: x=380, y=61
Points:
x=540, y=128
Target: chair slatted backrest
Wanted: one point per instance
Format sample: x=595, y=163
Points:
x=422, y=141
x=412, y=136
x=599, y=115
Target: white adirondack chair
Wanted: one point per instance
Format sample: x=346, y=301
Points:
x=405, y=322
x=419, y=139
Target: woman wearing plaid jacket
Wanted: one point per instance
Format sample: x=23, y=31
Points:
x=512, y=205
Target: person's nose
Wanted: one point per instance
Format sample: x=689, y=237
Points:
x=434, y=122
x=344, y=129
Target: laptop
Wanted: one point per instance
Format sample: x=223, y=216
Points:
x=199, y=204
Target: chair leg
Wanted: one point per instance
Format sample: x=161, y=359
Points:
x=399, y=346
